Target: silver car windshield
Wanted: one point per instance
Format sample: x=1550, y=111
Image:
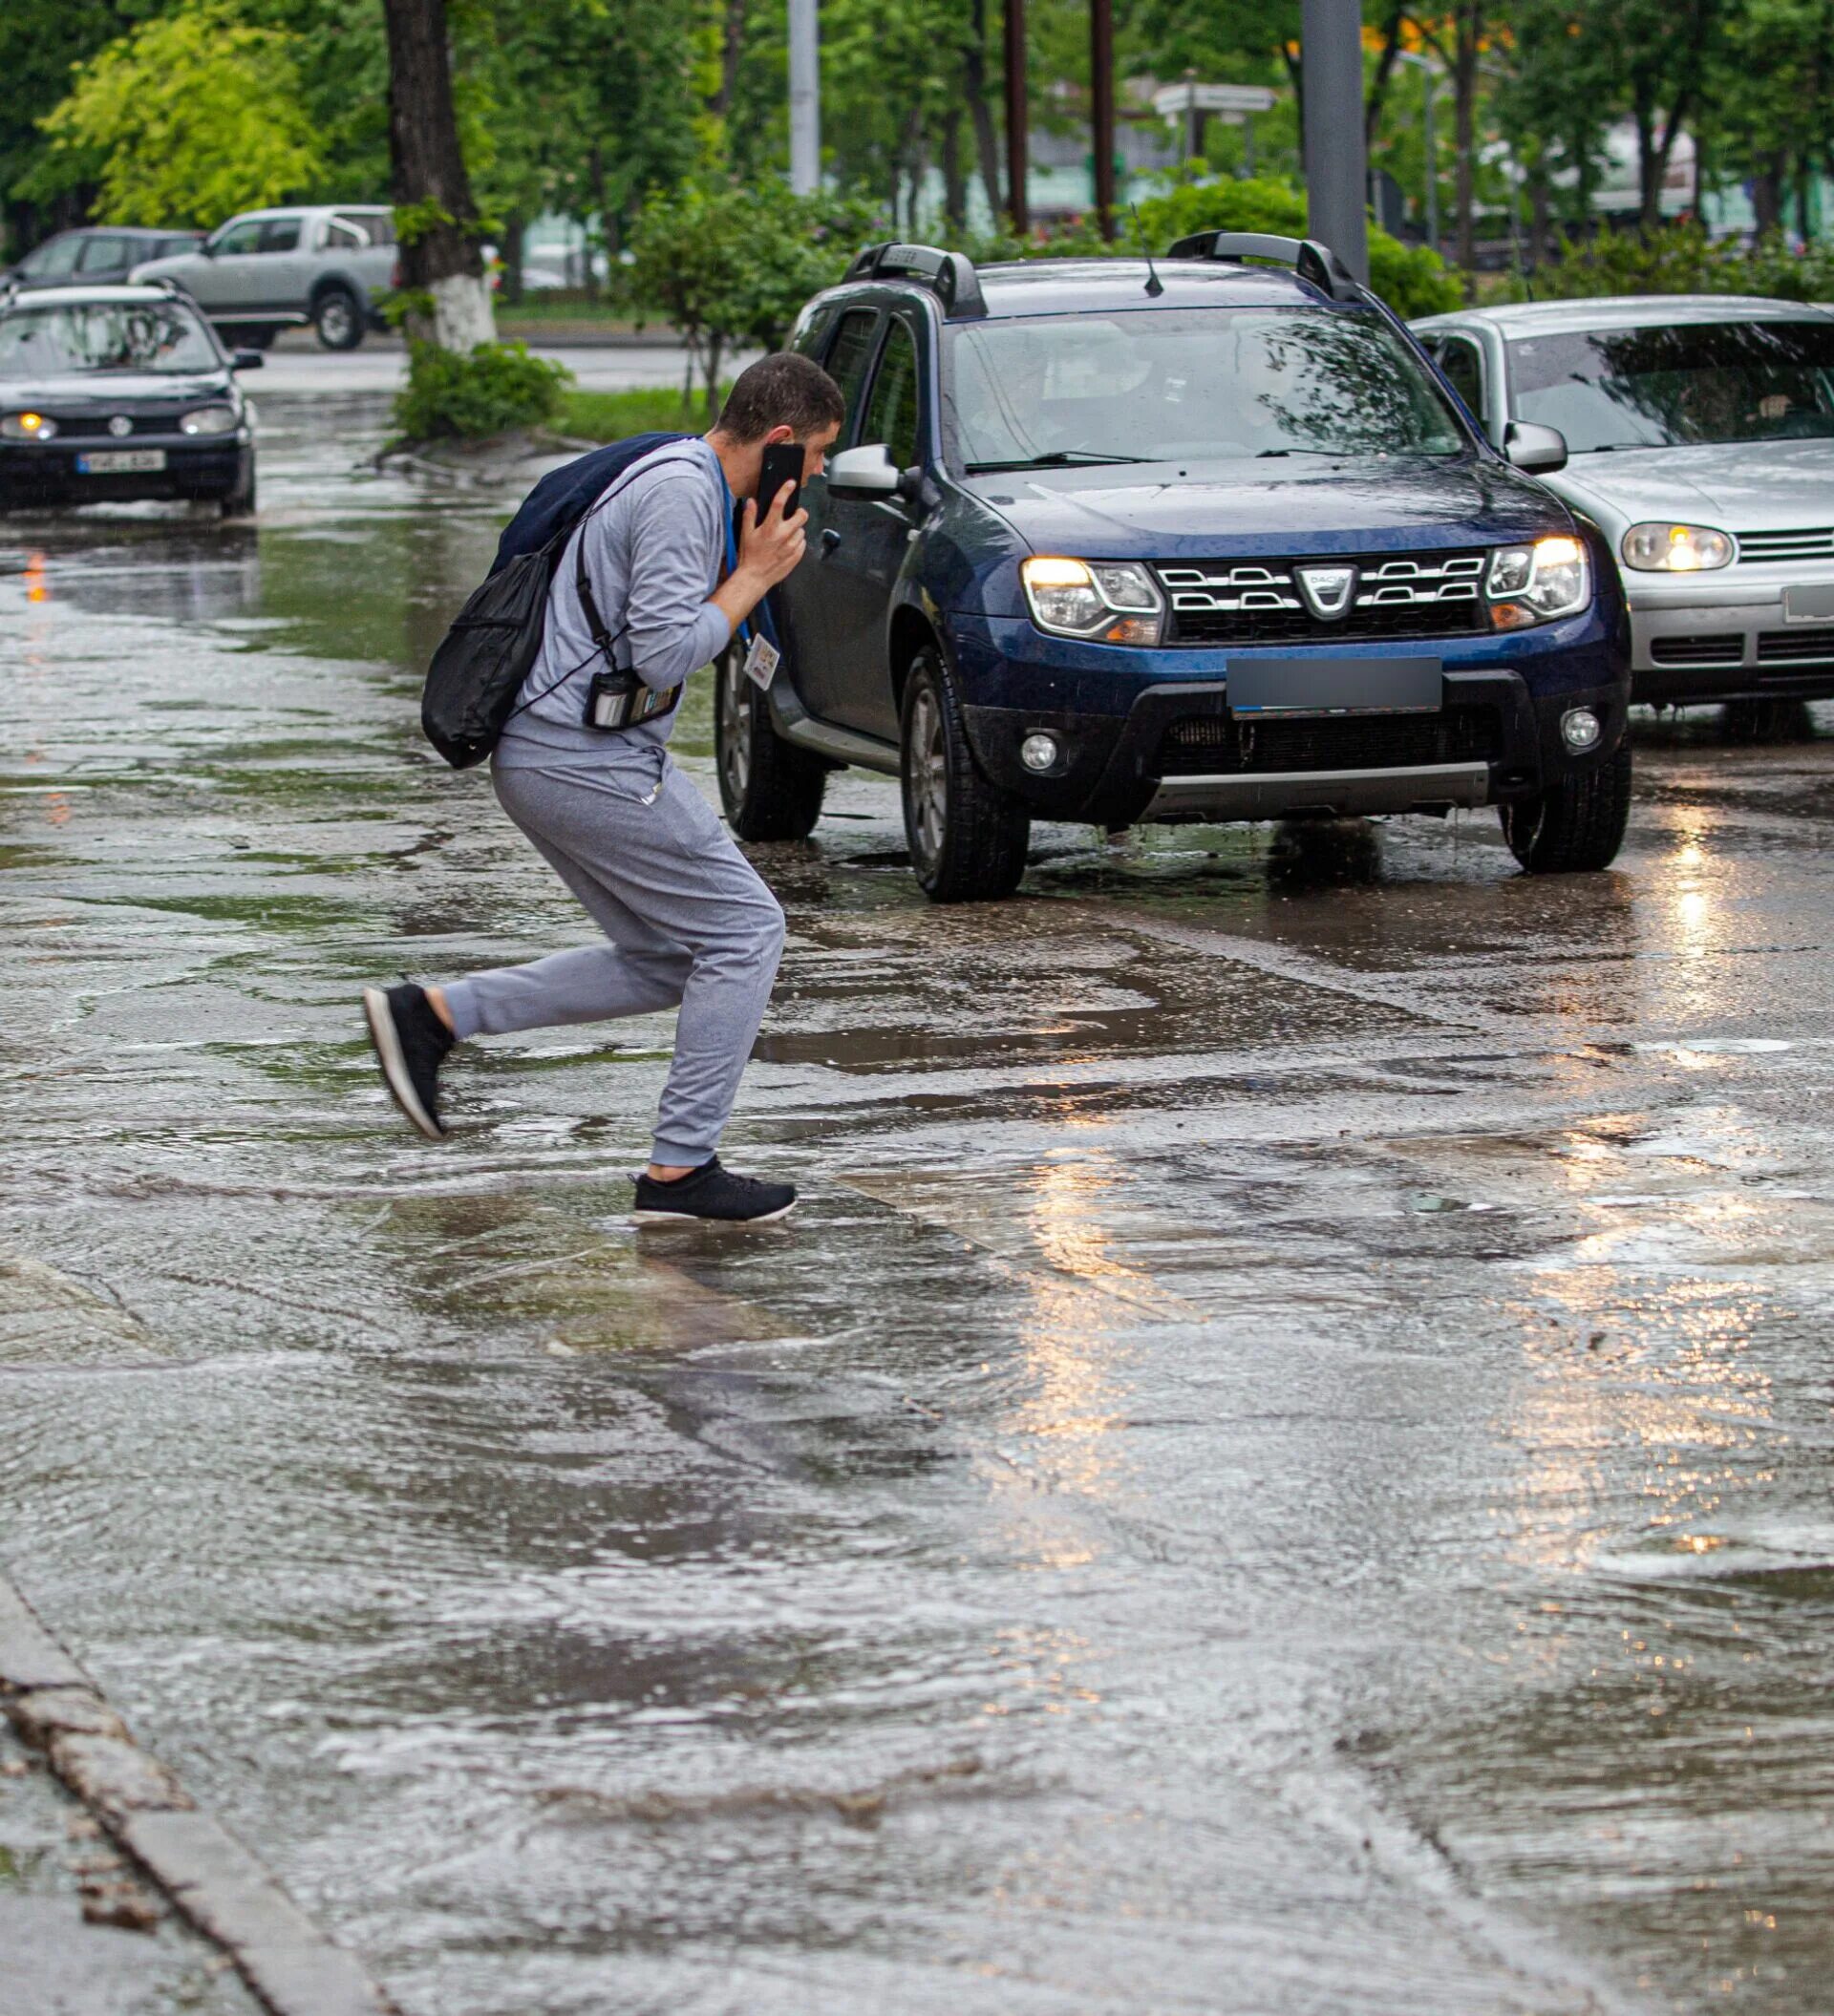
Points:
x=1189, y=384
x=100, y=336
x=1679, y=384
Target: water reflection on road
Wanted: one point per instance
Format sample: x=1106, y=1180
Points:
x=1283, y=1465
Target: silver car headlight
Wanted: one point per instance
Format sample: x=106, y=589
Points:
x=1106, y=601
x=1537, y=584
x=208, y=419
x=27, y=426
x=1675, y=549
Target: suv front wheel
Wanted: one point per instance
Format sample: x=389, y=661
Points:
x=1577, y=823
x=967, y=839
x=771, y=790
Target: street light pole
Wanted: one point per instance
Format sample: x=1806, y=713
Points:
x=806, y=102
x=1018, y=136
x=1337, y=168
x=1102, y=109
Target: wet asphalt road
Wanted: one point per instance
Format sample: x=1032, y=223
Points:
x=1283, y=1465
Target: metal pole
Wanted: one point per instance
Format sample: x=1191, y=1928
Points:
x=1248, y=146
x=1018, y=136
x=1336, y=170
x=806, y=101
x=1102, y=109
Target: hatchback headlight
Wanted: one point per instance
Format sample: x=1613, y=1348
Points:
x=27, y=426
x=208, y=419
x=1107, y=601
x=1536, y=583
x=1675, y=549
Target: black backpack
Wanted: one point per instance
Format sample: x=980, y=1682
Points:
x=484, y=658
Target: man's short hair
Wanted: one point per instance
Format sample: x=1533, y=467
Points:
x=781, y=391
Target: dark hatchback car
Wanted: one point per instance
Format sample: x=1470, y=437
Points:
x=109, y=394
x=1209, y=540
x=98, y=255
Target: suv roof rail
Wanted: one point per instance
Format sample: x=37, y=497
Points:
x=1312, y=260
x=950, y=275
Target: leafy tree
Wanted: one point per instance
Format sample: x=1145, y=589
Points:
x=193, y=114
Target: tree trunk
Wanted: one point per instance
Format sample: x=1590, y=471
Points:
x=732, y=44
x=1538, y=218
x=954, y=180
x=513, y=227
x=987, y=145
x=1767, y=194
x=437, y=220
x=1390, y=34
x=1469, y=31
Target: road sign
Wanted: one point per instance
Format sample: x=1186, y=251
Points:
x=1172, y=100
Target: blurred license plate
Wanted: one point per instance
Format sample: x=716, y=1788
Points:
x=1335, y=686
x=120, y=461
x=1809, y=604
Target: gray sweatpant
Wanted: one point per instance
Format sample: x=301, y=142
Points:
x=688, y=924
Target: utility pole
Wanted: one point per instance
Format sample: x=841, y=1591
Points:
x=1102, y=109
x=1018, y=144
x=805, y=101
x=1337, y=162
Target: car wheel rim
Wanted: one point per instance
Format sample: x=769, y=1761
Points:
x=335, y=321
x=735, y=725
x=928, y=783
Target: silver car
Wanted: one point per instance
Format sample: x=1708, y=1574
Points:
x=265, y=270
x=1700, y=431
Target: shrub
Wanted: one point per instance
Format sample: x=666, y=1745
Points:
x=1681, y=259
x=496, y=387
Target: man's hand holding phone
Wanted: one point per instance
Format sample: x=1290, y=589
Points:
x=770, y=547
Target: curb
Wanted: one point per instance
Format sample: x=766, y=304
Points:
x=212, y=1880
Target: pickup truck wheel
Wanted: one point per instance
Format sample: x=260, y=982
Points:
x=1577, y=824
x=338, y=318
x=967, y=839
x=771, y=790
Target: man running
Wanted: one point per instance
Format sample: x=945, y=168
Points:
x=688, y=924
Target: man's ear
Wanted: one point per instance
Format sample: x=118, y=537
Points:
x=780, y=433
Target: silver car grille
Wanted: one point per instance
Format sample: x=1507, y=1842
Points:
x=1815, y=542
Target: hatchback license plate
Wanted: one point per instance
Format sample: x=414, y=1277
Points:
x=1814, y=605
x=121, y=462
x=1335, y=686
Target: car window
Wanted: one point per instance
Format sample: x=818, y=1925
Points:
x=346, y=237
x=239, y=238
x=1685, y=383
x=280, y=234
x=848, y=358
x=1178, y=384
x=1461, y=362
x=376, y=225
x=892, y=411
x=93, y=335
x=167, y=246
x=813, y=332
x=56, y=256
x=102, y=254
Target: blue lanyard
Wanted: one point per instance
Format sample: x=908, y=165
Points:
x=763, y=611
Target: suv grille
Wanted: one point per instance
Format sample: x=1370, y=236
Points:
x=1217, y=745
x=1258, y=600
x=1815, y=543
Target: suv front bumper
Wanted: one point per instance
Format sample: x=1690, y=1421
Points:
x=1147, y=735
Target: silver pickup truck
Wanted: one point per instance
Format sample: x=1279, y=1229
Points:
x=265, y=270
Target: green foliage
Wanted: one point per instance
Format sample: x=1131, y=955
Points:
x=1681, y=259
x=497, y=387
x=194, y=114
x=730, y=265
x=649, y=409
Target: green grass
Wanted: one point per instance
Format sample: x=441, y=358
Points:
x=611, y=415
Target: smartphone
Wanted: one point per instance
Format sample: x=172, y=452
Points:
x=782, y=464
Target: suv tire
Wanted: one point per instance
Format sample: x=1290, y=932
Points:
x=967, y=839
x=337, y=316
x=771, y=790
x=1575, y=826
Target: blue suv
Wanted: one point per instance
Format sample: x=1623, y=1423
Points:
x=1200, y=539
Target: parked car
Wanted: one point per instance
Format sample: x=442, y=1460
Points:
x=96, y=255
x=1701, y=434
x=1203, y=539
x=265, y=270
x=113, y=393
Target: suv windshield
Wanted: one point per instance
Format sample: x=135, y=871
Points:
x=97, y=335
x=1196, y=383
x=1688, y=383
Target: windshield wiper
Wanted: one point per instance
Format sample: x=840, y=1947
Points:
x=1058, y=459
x=1265, y=453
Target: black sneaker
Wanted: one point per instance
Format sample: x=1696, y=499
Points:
x=711, y=1192
x=410, y=1043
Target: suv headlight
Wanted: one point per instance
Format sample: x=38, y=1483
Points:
x=1106, y=601
x=1675, y=549
x=208, y=419
x=1536, y=583
x=27, y=426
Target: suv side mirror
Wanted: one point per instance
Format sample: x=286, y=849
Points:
x=866, y=471
x=246, y=360
x=1539, y=451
